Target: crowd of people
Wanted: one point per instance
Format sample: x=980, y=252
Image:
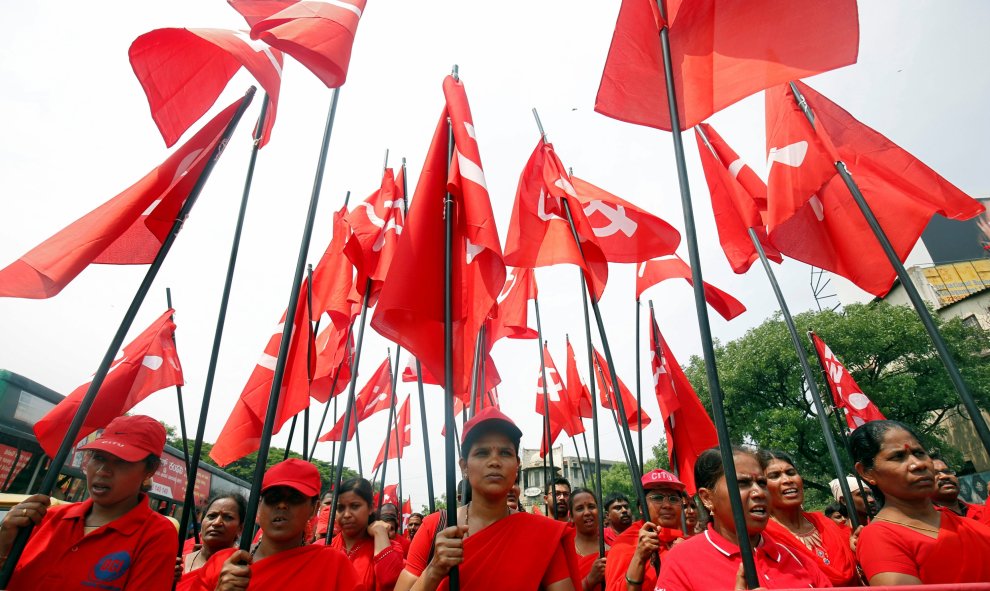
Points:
x=912, y=527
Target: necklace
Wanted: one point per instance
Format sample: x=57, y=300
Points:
x=918, y=527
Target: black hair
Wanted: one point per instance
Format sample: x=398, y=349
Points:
x=708, y=469
x=613, y=497
x=865, y=442
x=839, y=508
x=554, y=482
x=238, y=499
x=580, y=491
x=411, y=515
x=768, y=455
x=359, y=486
x=392, y=505
x=152, y=463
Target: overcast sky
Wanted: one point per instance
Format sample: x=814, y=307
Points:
x=78, y=132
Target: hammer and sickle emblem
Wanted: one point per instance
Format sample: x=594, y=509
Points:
x=618, y=221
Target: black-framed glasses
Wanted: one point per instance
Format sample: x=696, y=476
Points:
x=673, y=499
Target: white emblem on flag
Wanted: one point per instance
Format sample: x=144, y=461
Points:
x=736, y=166
x=152, y=362
x=618, y=220
x=471, y=250
x=471, y=171
x=791, y=155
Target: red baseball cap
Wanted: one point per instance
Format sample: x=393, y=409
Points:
x=489, y=419
x=294, y=473
x=661, y=479
x=131, y=438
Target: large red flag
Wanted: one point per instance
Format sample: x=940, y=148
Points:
x=127, y=230
x=410, y=309
x=241, y=435
x=812, y=215
x=183, y=72
x=409, y=373
x=334, y=355
x=402, y=432
x=513, y=307
x=539, y=234
x=562, y=411
x=688, y=427
x=148, y=364
x=319, y=34
x=739, y=200
x=607, y=395
x=625, y=232
x=390, y=494
x=722, y=51
x=577, y=392
x=846, y=393
x=652, y=272
x=333, y=276
x=374, y=397
x=376, y=225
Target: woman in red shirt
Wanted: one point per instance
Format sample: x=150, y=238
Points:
x=811, y=534
x=584, y=516
x=712, y=560
x=909, y=542
x=365, y=539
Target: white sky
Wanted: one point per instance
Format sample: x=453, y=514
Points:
x=79, y=132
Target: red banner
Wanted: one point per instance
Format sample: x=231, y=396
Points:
x=11, y=462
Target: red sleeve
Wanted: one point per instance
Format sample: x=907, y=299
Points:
x=388, y=566
x=888, y=549
x=419, y=551
x=154, y=565
x=557, y=569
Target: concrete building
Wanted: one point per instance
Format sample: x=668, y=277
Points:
x=578, y=471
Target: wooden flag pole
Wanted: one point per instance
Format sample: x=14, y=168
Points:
x=909, y=288
x=547, y=432
x=290, y=314
x=701, y=307
x=72, y=433
x=189, y=500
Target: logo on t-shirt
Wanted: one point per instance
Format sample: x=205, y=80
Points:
x=110, y=568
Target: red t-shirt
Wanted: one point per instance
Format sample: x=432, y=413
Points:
x=958, y=555
x=708, y=561
x=404, y=542
x=306, y=568
x=622, y=551
x=136, y=551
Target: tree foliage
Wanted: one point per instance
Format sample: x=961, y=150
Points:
x=618, y=479
x=884, y=347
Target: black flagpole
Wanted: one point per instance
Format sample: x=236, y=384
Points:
x=615, y=418
x=290, y=315
x=182, y=428
x=912, y=292
x=639, y=396
x=310, y=349
x=546, y=409
x=189, y=501
x=701, y=307
x=68, y=442
x=474, y=373
x=393, y=376
x=448, y=351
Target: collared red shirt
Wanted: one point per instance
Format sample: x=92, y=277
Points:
x=710, y=562
x=133, y=552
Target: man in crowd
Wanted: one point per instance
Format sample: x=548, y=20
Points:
x=618, y=516
x=560, y=498
x=390, y=515
x=412, y=526
x=862, y=498
x=946, y=497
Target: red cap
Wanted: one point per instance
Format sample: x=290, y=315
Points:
x=493, y=419
x=661, y=479
x=131, y=439
x=294, y=473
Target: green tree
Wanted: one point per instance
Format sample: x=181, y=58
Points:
x=887, y=351
x=618, y=479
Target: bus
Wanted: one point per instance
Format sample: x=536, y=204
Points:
x=23, y=463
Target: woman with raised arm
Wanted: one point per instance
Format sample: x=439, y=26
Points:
x=365, y=539
x=909, y=542
x=113, y=540
x=810, y=534
x=712, y=560
x=491, y=545
x=584, y=515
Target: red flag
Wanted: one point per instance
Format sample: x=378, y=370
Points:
x=334, y=355
x=607, y=395
x=577, y=392
x=183, y=72
x=722, y=51
x=318, y=34
x=812, y=216
x=374, y=397
x=404, y=427
x=688, y=427
x=334, y=275
x=539, y=234
x=390, y=494
x=652, y=272
x=562, y=411
x=148, y=364
x=376, y=225
x=127, y=230
x=625, y=233
x=513, y=307
x=739, y=200
x=409, y=373
x=241, y=435
x=410, y=309
x=846, y=394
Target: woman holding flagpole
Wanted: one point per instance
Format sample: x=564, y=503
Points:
x=113, y=540
x=810, y=534
x=491, y=545
x=584, y=516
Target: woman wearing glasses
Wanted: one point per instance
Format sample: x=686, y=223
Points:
x=632, y=561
